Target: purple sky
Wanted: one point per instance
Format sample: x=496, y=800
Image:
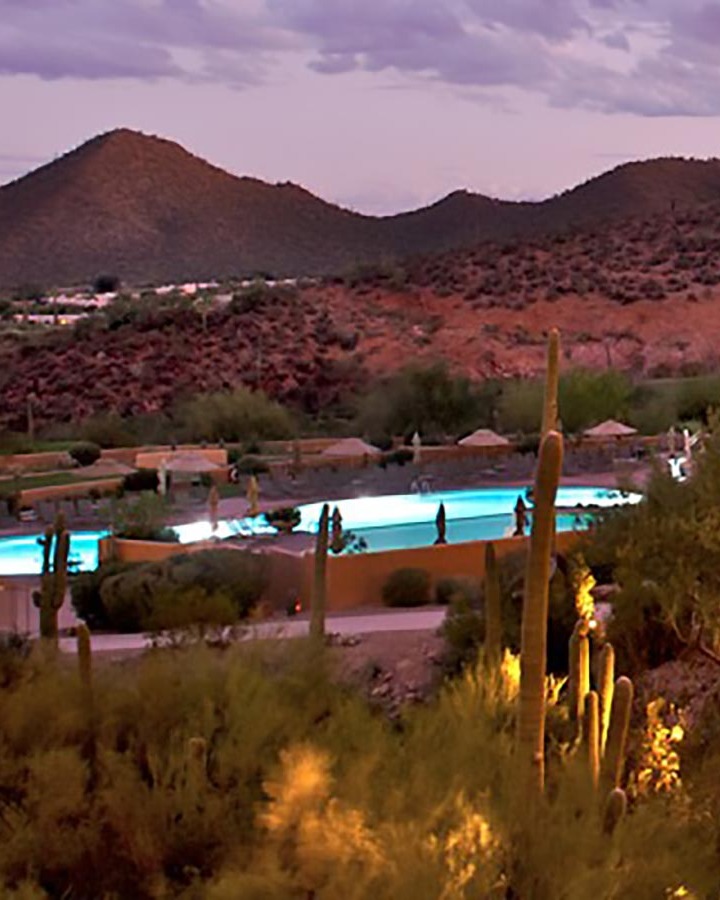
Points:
x=380, y=105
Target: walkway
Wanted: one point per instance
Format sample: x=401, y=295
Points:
x=425, y=619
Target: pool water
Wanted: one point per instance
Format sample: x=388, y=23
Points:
x=385, y=523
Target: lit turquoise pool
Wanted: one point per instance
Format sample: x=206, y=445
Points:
x=385, y=523
x=401, y=521
x=23, y=555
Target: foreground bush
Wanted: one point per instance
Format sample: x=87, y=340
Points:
x=132, y=598
x=198, y=775
x=407, y=587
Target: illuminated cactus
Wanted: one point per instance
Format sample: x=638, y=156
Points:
x=606, y=687
x=579, y=670
x=615, y=809
x=550, y=405
x=53, y=581
x=533, y=652
x=319, y=594
x=493, y=616
x=84, y=652
x=591, y=735
x=614, y=759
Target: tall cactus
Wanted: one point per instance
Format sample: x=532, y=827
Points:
x=319, y=594
x=84, y=651
x=579, y=670
x=493, y=609
x=533, y=652
x=606, y=687
x=614, y=759
x=53, y=581
x=591, y=735
x=550, y=404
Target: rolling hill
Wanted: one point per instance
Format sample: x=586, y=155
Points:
x=146, y=210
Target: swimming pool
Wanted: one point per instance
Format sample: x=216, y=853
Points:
x=401, y=521
x=385, y=523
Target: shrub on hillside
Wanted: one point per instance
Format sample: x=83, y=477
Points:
x=85, y=453
x=407, y=587
x=463, y=630
x=85, y=589
x=239, y=415
x=451, y=588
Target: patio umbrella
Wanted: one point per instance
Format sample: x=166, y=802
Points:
x=104, y=468
x=417, y=446
x=484, y=437
x=351, y=447
x=192, y=463
x=610, y=429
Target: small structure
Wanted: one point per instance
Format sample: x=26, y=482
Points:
x=484, y=437
x=610, y=430
x=189, y=463
x=351, y=447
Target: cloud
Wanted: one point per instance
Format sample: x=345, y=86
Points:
x=645, y=57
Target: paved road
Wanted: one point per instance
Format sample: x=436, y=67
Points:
x=427, y=619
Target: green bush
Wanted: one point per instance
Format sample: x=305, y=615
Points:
x=463, y=630
x=85, y=453
x=142, y=518
x=85, y=588
x=189, y=614
x=407, y=587
x=241, y=415
x=284, y=519
x=137, y=598
x=251, y=465
x=448, y=589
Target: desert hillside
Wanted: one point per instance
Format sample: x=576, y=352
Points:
x=643, y=298
x=144, y=209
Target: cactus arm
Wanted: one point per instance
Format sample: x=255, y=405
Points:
x=319, y=594
x=550, y=403
x=531, y=713
x=591, y=735
x=614, y=759
x=606, y=686
x=579, y=670
x=493, y=616
x=615, y=808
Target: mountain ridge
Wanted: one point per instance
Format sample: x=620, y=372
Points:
x=147, y=210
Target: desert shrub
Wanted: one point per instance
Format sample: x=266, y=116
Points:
x=427, y=400
x=142, y=518
x=398, y=457
x=189, y=614
x=14, y=651
x=407, y=587
x=85, y=596
x=137, y=598
x=85, y=453
x=449, y=589
x=142, y=480
x=239, y=415
x=251, y=465
x=285, y=518
x=108, y=430
x=463, y=630
x=106, y=284
x=520, y=406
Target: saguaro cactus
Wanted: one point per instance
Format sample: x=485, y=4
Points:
x=614, y=759
x=53, y=581
x=531, y=714
x=493, y=613
x=84, y=651
x=319, y=594
x=606, y=687
x=591, y=735
x=579, y=670
x=550, y=405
